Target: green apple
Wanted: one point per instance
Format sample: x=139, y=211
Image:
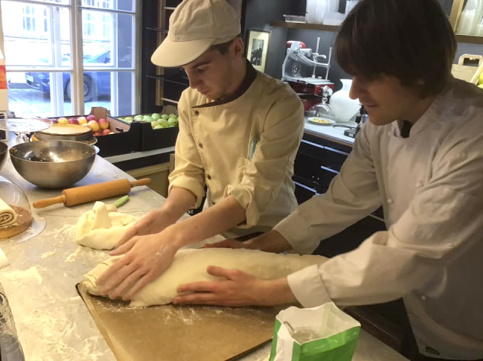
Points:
x=138, y=117
x=164, y=116
x=164, y=123
x=172, y=116
x=158, y=127
x=155, y=116
x=173, y=121
x=480, y=86
x=481, y=78
x=147, y=118
x=154, y=123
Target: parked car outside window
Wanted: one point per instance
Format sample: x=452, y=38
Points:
x=96, y=83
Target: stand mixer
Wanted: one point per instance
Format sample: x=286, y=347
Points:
x=299, y=70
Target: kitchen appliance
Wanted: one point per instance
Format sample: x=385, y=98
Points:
x=361, y=117
x=299, y=69
x=323, y=110
x=92, y=192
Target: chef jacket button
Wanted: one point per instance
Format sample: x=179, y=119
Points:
x=389, y=201
x=200, y=145
x=197, y=113
x=208, y=176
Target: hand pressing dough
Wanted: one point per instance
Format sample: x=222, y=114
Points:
x=189, y=265
x=102, y=227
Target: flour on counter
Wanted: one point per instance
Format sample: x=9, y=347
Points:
x=31, y=273
x=47, y=254
x=71, y=257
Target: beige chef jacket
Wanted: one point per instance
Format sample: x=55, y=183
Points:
x=431, y=187
x=244, y=146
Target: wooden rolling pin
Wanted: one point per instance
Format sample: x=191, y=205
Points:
x=92, y=192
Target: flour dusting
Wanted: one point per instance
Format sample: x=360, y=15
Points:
x=47, y=254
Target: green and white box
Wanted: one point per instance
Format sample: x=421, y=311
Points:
x=314, y=334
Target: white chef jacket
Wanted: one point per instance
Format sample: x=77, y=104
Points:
x=244, y=146
x=431, y=188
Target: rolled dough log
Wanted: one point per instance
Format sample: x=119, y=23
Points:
x=8, y=216
x=189, y=265
x=102, y=227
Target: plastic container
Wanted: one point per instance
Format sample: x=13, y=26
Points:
x=349, y=5
x=470, y=18
x=310, y=11
x=10, y=347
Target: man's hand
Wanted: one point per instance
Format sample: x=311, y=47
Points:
x=237, y=288
x=153, y=222
x=146, y=258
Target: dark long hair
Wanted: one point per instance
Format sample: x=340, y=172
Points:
x=409, y=39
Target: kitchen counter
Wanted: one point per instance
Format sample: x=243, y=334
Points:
x=51, y=319
x=334, y=133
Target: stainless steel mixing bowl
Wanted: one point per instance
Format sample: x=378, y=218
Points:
x=52, y=163
x=3, y=153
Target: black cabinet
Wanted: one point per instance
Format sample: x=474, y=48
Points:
x=318, y=161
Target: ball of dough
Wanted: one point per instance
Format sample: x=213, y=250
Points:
x=102, y=227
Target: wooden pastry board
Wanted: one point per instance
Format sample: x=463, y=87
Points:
x=179, y=333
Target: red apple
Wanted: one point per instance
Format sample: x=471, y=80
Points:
x=97, y=133
x=91, y=117
x=103, y=123
x=93, y=125
x=73, y=121
x=106, y=131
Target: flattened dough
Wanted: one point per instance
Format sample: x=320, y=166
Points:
x=102, y=227
x=189, y=265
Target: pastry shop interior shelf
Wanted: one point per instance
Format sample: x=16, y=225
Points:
x=290, y=25
x=278, y=23
x=469, y=39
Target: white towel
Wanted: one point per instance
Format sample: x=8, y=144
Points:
x=8, y=216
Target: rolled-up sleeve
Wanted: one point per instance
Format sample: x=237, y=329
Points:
x=266, y=172
x=188, y=172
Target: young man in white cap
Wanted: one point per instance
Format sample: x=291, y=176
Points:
x=421, y=157
x=239, y=133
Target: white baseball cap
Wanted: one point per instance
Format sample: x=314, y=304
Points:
x=194, y=26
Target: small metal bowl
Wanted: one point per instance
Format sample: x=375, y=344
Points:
x=52, y=163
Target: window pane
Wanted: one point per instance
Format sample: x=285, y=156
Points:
x=109, y=89
x=36, y=35
x=33, y=98
x=99, y=47
x=125, y=5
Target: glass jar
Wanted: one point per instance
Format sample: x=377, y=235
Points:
x=10, y=348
